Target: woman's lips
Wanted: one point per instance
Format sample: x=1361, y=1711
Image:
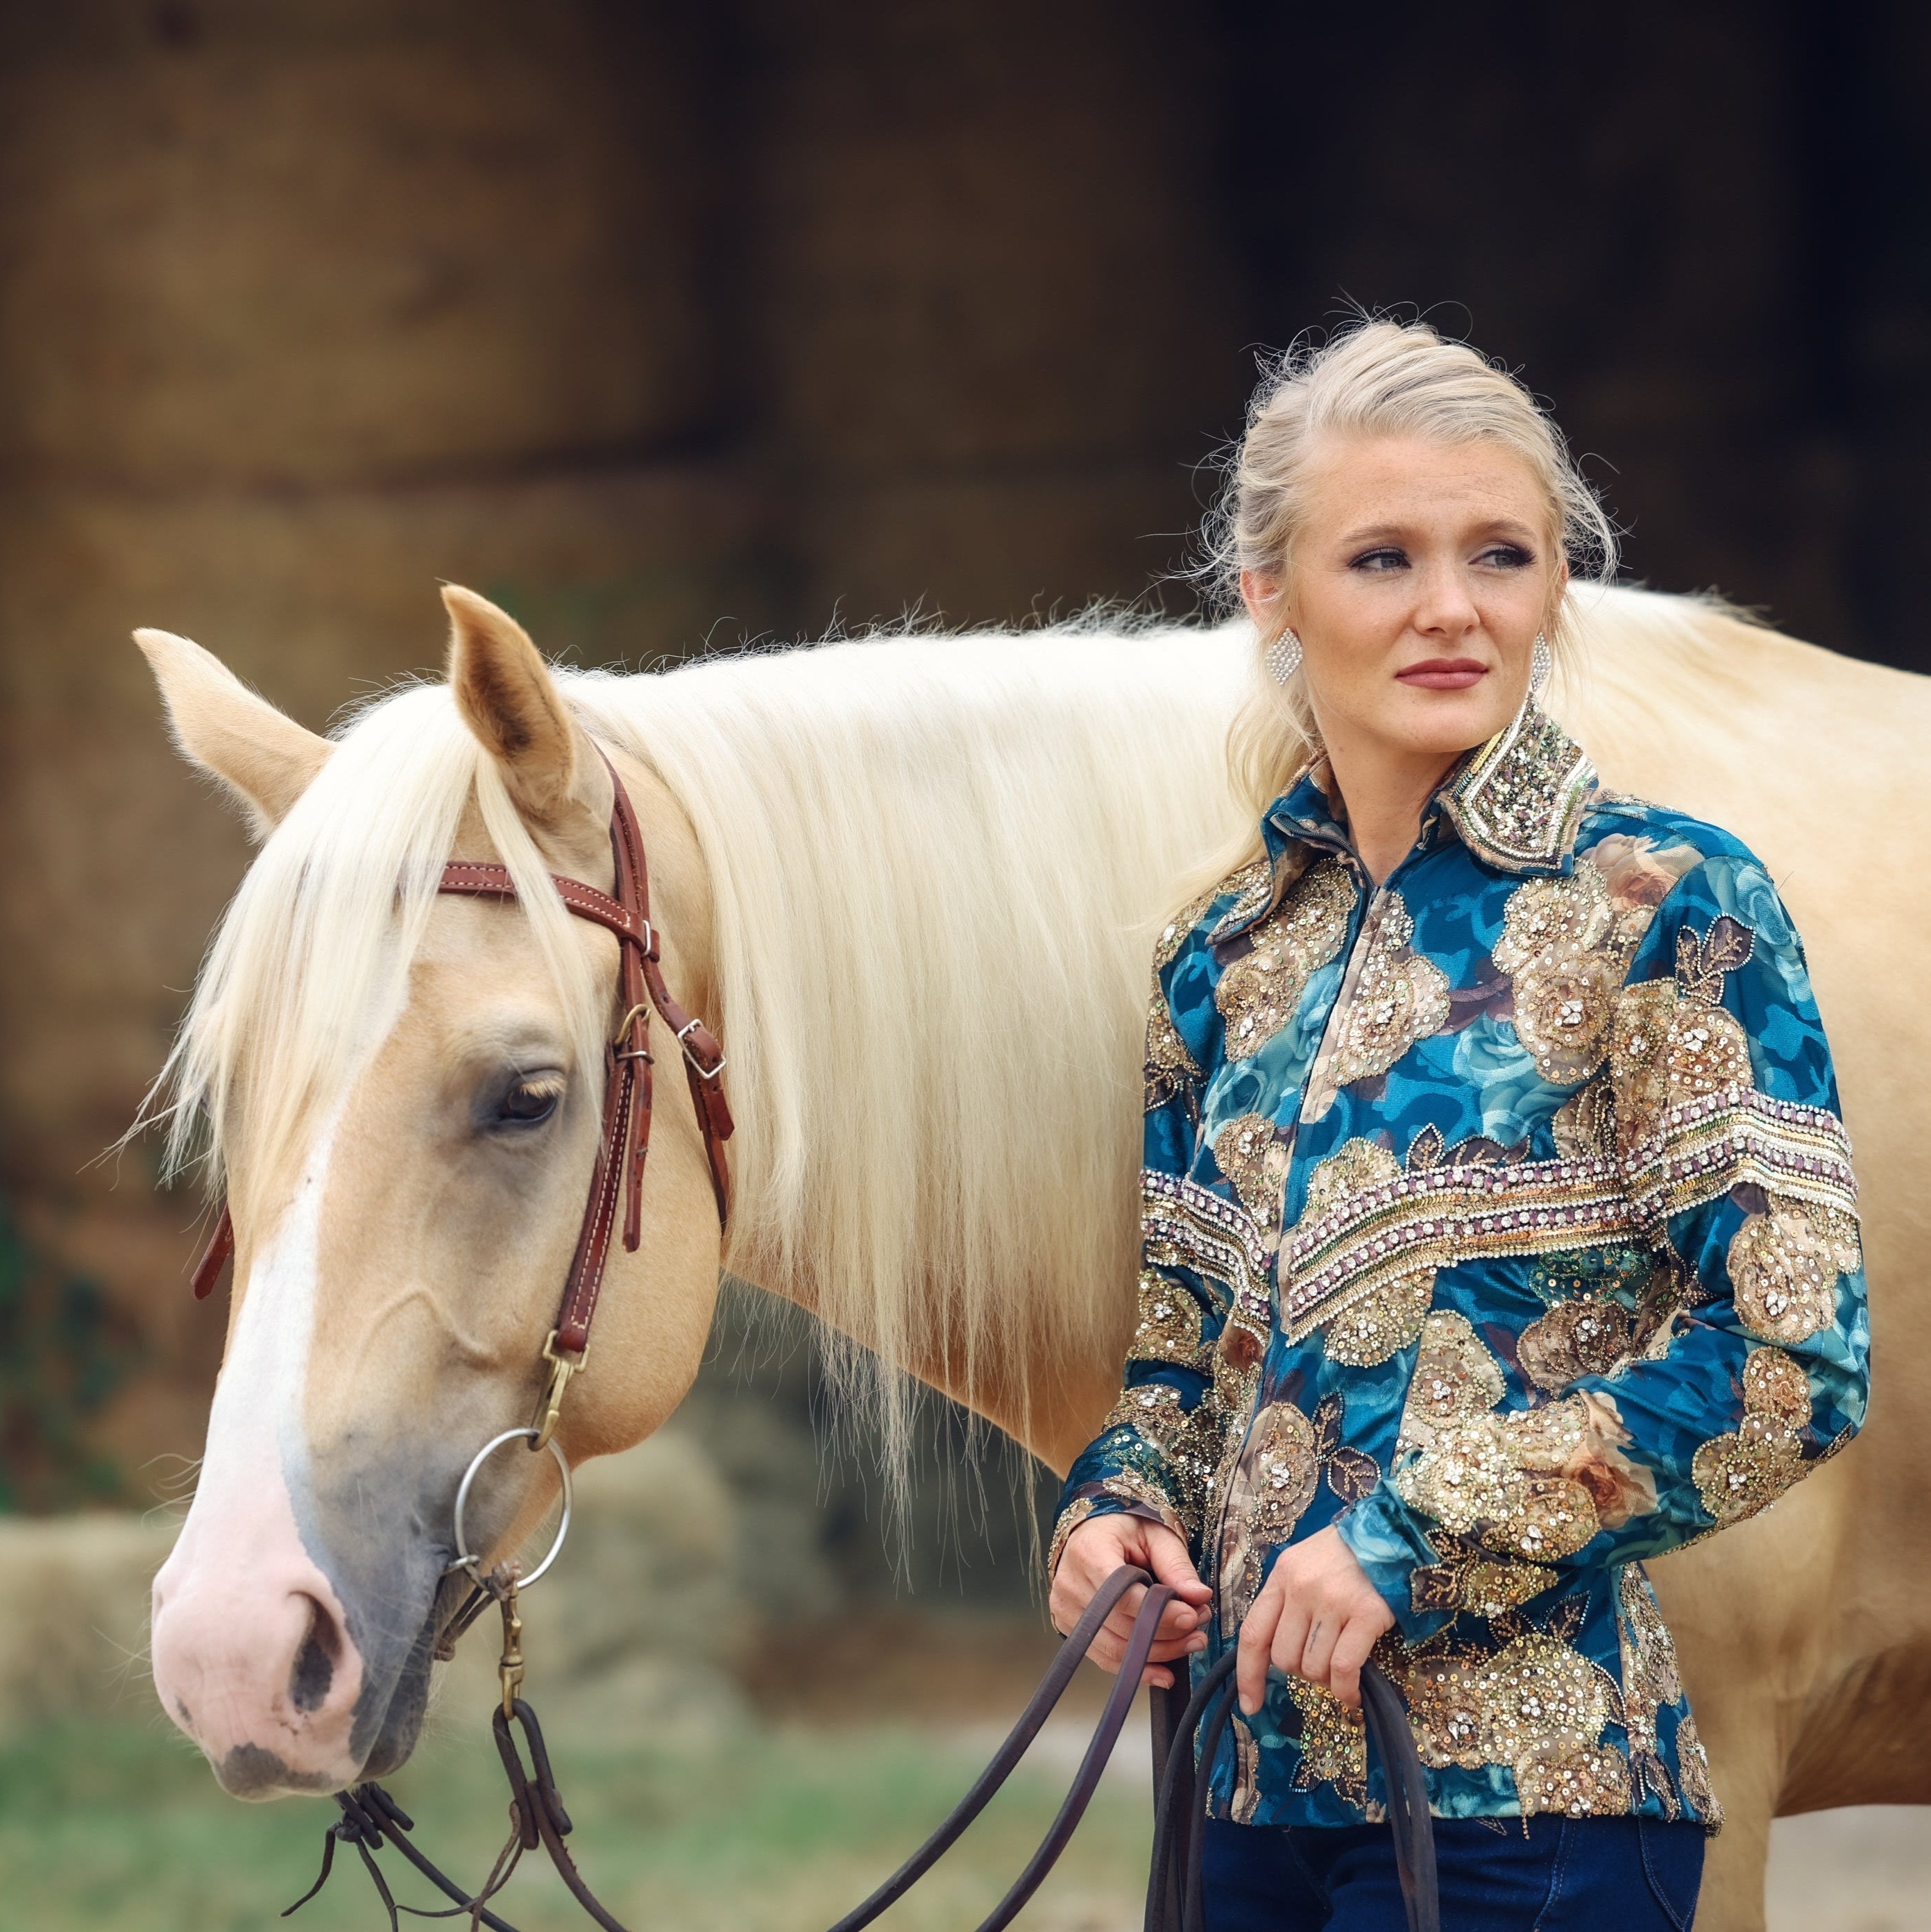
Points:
x=1443, y=673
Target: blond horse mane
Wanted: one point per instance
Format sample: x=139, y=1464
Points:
x=936, y=862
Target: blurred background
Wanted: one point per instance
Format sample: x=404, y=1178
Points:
x=667, y=326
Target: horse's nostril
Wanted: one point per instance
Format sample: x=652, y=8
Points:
x=315, y=1662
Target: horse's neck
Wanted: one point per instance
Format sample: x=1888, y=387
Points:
x=934, y=870
x=1051, y=1403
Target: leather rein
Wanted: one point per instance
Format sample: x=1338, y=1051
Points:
x=624, y=1141
x=1182, y=1744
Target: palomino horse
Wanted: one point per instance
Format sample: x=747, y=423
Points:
x=911, y=882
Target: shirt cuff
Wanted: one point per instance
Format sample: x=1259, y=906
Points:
x=1390, y=1545
x=1104, y=1499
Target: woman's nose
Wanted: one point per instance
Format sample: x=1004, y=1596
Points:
x=1445, y=606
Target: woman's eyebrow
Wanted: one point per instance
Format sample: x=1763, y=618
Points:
x=1390, y=532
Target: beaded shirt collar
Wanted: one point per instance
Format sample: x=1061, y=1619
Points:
x=1516, y=802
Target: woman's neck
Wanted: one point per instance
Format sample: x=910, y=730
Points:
x=1384, y=790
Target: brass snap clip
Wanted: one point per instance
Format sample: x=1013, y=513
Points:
x=503, y=1585
x=550, y=1405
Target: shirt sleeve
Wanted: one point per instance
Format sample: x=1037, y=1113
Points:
x=1752, y=1365
x=1146, y=1460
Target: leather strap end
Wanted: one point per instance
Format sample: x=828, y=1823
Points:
x=633, y=1202
x=213, y=1257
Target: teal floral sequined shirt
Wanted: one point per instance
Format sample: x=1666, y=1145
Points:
x=1502, y=1216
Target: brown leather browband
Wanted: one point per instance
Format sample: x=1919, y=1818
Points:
x=625, y=1136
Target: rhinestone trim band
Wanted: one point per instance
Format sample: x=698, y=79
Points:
x=1184, y=1223
x=1443, y=1216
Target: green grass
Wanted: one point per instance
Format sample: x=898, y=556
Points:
x=115, y=1828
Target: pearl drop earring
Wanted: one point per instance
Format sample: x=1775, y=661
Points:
x=1284, y=657
x=1541, y=662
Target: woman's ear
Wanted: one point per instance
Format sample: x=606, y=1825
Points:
x=1261, y=592
x=1560, y=595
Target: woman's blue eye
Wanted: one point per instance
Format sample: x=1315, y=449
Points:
x=1386, y=558
x=1508, y=557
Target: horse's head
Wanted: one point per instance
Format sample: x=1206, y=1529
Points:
x=403, y=1092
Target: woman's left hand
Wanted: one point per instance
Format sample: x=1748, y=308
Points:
x=1317, y=1617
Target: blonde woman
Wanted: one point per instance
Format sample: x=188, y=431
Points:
x=1499, y=1224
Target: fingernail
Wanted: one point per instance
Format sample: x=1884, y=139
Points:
x=1197, y=1644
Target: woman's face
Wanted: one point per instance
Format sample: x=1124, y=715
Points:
x=1421, y=576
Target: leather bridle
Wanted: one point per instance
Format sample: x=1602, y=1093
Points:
x=624, y=1141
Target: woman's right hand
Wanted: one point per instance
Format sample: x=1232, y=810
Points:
x=1093, y=1553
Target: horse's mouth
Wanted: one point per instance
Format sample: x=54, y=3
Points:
x=392, y=1733
x=387, y=1734
x=451, y=1596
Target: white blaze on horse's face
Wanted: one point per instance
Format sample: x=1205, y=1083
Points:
x=245, y=1621
x=397, y=1273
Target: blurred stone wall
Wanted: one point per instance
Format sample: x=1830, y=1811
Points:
x=668, y=324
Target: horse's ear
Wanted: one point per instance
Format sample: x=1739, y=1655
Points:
x=509, y=699
x=263, y=758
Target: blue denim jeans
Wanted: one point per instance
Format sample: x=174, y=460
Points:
x=1560, y=1875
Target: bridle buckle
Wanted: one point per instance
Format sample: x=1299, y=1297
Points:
x=697, y=1066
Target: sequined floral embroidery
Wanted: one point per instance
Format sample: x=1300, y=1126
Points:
x=1785, y=1263
x=1169, y=1327
x=1537, y=1706
x=1534, y=1483
x=1567, y=944
x=1671, y=1041
x=1399, y=998
x=1466, y=1579
x=1154, y=1409
x=1458, y=1380
x=1258, y=992
x=1274, y=1474
x=1738, y=1475
x=1273, y=1483
x=1558, y=947
x=1651, y=1681
x=1169, y=1068
x=1456, y=1377
x=1603, y=1303
x=1253, y=1153
x=1333, y=1742
x=1692, y=1772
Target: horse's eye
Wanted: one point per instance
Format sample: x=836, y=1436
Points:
x=526, y=1102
